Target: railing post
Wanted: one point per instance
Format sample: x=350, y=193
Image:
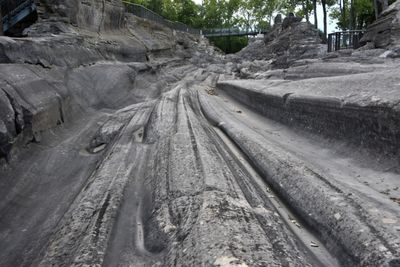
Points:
x=359, y=36
x=336, y=40
x=351, y=44
x=344, y=40
x=337, y=43
x=329, y=43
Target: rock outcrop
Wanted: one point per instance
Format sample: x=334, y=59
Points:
x=94, y=15
x=34, y=92
x=285, y=43
x=385, y=31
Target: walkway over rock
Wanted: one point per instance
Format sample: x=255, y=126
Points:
x=231, y=32
x=15, y=11
x=142, y=12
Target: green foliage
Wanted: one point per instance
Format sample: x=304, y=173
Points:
x=363, y=14
x=257, y=14
x=155, y=5
x=230, y=44
x=170, y=10
x=306, y=9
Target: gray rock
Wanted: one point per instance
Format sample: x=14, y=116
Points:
x=346, y=101
x=135, y=145
x=94, y=15
x=385, y=31
x=290, y=20
x=286, y=44
x=8, y=129
x=278, y=19
x=394, y=53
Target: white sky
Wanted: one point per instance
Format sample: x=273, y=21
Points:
x=331, y=24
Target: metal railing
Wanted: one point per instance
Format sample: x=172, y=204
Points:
x=142, y=12
x=13, y=11
x=231, y=32
x=344, y=40
x=11, y=7
x=7, y=6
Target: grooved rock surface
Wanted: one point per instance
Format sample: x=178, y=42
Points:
x=363, y=108
x=134, y=145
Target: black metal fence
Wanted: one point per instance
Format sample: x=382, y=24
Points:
x=9, y=7
x=14, y=11
x=344, y=40
x=142, y=12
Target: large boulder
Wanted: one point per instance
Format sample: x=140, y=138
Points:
x=285, y=43
x=385, y=31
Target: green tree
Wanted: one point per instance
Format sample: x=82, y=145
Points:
x=314, y=4
x=170, y=10
x=357, y=14
x=212, y=14
x=155, y=5
x=263, y=11
x=187, y=11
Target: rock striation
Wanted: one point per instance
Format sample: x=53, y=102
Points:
x=94, y=15
x=125, y=143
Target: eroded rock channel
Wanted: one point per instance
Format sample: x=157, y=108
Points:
x=124, y=143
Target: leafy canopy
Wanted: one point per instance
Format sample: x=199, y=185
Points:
x=258, y=14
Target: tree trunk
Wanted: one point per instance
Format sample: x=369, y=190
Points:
x=352, y=16
x=1, y=23
x=325, y=18
x=248, y=25
x=344, y=13
x=315, y=14
x=305, y=10
x=376, y=7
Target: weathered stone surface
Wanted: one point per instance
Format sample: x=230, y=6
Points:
x=303, y=184
x=94, y=15
x=286, y=43
x=8, y=129
x=141, y=146
x=385, y=31
x=71, y=50
x=290, y=21
x=352, y=107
